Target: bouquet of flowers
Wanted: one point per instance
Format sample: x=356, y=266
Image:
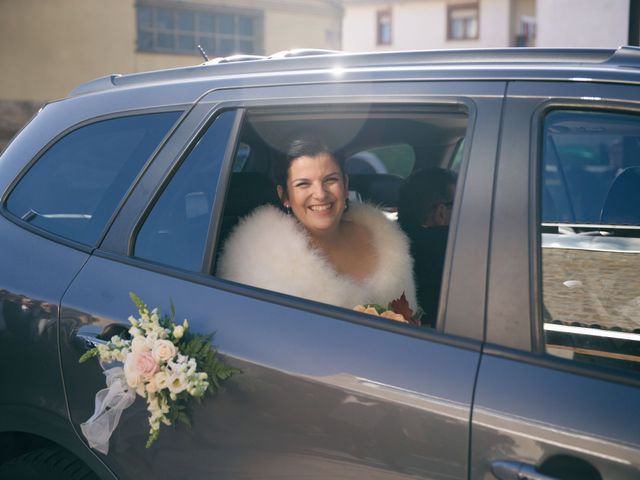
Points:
x=397, y=309
x=164, y=363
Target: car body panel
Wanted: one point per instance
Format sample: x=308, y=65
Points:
x=317, y=397
x=529, y=407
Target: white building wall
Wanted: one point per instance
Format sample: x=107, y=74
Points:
x=421, y=24
x=359, y=28
x=580, y=23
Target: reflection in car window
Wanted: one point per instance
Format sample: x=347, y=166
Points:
x=591, y=237
x=175, y=232
x=74, y=188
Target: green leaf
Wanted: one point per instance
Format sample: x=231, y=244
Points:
x=153, y=436
x=184, y=418
x=88, y=354
x=140, y=305
x=173, y=310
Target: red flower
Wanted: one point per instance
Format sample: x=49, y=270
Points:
x=401, y=306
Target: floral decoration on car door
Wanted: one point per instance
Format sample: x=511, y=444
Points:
x=164, y=363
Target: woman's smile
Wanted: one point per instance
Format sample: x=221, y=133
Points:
x=321, y=208
x=316, y=193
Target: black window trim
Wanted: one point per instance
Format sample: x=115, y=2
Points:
x=216, y=209
x=4, y=211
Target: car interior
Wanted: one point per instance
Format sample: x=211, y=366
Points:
x=380, y=146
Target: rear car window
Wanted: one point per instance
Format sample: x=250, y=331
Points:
x=75, y=186
x=591, y=237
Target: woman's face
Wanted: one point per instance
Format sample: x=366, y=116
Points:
x=316, y=192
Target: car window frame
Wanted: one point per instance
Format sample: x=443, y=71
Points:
x=118, y=242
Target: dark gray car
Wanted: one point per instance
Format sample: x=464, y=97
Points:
x=132, y=184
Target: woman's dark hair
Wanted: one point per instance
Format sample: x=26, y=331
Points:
x=421, y=192
x=305, y=145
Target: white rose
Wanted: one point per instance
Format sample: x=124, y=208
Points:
x=163, y=350
x=140, y=345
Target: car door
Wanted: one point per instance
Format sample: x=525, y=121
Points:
x=324, y=391
x=558, y=384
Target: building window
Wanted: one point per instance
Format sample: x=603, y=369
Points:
x=181, y=29
x=526, y=32
x=384, y=27
x=462, y=22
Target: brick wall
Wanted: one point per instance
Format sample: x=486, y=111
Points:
x=603, y=287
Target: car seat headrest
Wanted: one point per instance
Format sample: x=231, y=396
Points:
x=622, y=204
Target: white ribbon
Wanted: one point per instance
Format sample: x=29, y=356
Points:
x=110, y=402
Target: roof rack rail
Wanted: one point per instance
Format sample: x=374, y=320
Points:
x=625, y=55
x=96, y=85
x=291, y=60
x=303, y=52
x=234, y=58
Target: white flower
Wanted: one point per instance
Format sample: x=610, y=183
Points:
x=161, y=379
x=178, y=332
x=140, y=345
x=135, y=331
x=163, y=350
x=151, y=387
x=177, y=384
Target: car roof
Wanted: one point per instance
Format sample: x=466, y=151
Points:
x=612, y=65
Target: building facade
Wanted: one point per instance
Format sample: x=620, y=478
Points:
x=49, y=47
x=437, y=24
x=441, y=24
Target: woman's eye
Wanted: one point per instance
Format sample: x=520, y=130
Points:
x=301, y=185
x=331, y=180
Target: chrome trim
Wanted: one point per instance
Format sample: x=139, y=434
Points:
x=595, y=332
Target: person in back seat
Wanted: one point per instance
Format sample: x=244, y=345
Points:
x=319, y=247
x=424, y=212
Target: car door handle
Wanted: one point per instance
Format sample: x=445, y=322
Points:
x=86, y=341
x=507, y=470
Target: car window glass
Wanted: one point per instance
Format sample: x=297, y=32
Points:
x=175, y=231
x=76, y=185
x=590, y=196
x=380, y=150
x=396, y=159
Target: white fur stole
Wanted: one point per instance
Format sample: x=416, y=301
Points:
x=271, y=250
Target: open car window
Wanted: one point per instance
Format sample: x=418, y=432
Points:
x=380, y=146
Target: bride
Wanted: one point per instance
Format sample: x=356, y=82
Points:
x=322, y=248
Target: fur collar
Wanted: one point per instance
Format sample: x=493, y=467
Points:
x=270, y=250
